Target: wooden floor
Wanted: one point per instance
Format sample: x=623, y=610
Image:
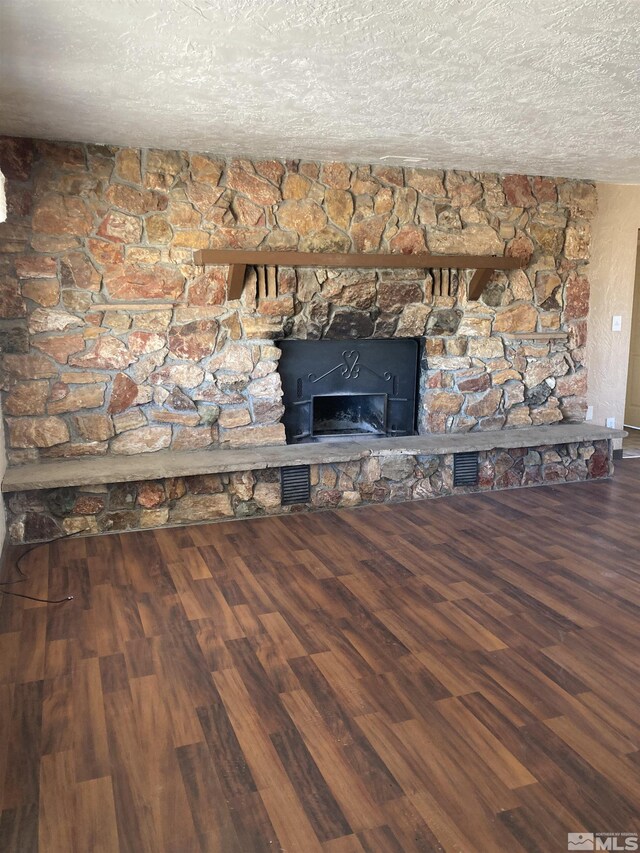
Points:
x=456, y=675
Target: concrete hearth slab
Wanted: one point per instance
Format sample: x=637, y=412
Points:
x=168, y=463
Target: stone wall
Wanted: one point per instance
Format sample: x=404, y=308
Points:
x=386, y=478
x=114, y=342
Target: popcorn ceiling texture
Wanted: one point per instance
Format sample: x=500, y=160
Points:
x=114, y=342
x=540, y=87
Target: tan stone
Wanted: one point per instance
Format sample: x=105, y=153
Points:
x=230, y=418
x=295, y=187
x=59, y=347
x=267, y=495
x=158, y=230
x=234, y=358
x=135, y=201
x=339, y=207
x=254, y=436
x=426, y=181
x=183, y=375
x=549, y=239
x=57, y=214
x=547, y=289
x=108, y=353
x=26, y=398
x=261, y=328
x=143, y=255
x=76, y=448
x=201, y=508
x=192, y=438
x=445, y=402
x=572, y=384
x=516, y=318
x=303, y=216
x=28, y=366
x=50, y=320
x=336, y=175
x=485, y=347
x=483, y=405
x=162, y=168
x=77, y=397
x=367, y=233
x=547, y=414
x=206, y=169
x=37, y=432
x=154, y=517
x=182, y=418
x=120, y=227
x=44, y=291
x=147, y=439
x=580, y=197
x=577, y=241
x=474, y=240
x=520, y=247
x=141, y=342
x=273, y=170
x=413, y=321
x=133, y=419
x=93, y=427
x=127, y=165
x=519, y=417
x=475, y=326
x=82, y=377
x=152, y=321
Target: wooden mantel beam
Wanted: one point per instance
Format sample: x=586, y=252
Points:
x=237, y=260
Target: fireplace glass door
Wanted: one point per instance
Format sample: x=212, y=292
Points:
x=349, y=414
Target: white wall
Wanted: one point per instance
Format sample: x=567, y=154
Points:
x=612, y=276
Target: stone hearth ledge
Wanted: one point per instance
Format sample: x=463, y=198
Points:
x=168, y=463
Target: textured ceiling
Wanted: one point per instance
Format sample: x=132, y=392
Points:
x=535, y=86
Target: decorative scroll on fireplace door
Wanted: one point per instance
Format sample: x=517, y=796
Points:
x=335, y=389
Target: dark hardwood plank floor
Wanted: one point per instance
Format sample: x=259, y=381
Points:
x=456, y=674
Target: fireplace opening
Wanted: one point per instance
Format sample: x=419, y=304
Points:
x=365, y=388
x=349, y=414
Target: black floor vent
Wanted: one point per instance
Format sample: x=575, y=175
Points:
x=465, y=469
x=296, y=484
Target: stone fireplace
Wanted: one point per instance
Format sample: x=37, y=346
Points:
x=334, y=389
x=116, y=344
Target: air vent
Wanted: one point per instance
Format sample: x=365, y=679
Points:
x=296, y=484
x=465, y=469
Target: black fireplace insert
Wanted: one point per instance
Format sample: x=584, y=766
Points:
x=345, y=388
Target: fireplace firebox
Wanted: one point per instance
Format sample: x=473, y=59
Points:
x=335, y=389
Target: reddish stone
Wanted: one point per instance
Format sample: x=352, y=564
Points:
x=150, y=494
x=545, y=190
x=57, y=214
x=121, y=228
x=28, y=366
x=135, y=201
x=210, y=288
x=598, y=465
x=59, y=347
x=36, y=266
x=133, y=282
x=12, y=304
x=88, y=505
x=576, y=298
x=205, y=484
x=123, y=394
x=394, y=295
x=520, y=247
x=144, y=342
x=193, y=341
x=44, y=291
x=408, y=240
x=367, y=233
x=336, y=175
x=247, y=213
x=553, y=472
x=19, y=200
x=105, y=252
x=518, y=191
x=76, y=270
x=476, y=383
x=16, y=158
x=273, y=170
x=108, y=353
x=256, y=188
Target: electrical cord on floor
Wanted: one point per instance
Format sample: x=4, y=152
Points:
x=23, y=577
